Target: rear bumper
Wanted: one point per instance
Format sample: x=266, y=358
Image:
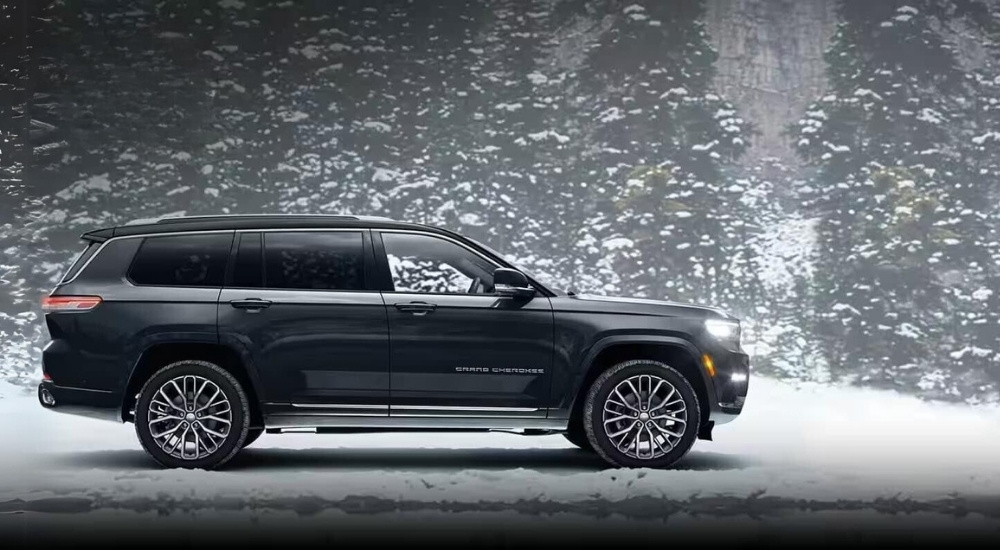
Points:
x=102, y=405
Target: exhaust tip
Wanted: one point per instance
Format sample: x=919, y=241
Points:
x=46, y=397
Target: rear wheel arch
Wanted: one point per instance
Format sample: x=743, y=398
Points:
x=679, y=354
x=159, y=355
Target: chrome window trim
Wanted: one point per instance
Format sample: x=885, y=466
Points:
x=287, y=230
x=442, y=237
x=139, y=236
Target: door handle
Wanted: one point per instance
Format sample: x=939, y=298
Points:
x=252, y=305
x=416, y=308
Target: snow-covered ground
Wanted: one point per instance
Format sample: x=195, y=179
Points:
x=809, y=448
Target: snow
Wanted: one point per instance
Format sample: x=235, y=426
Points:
x=292, y=116
x=811, y=442
x=94, y=183
x=537, y=78
x=618, y=243
x=377, y=126
x=982, y=294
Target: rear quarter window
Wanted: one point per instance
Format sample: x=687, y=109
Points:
x=182, y=260
x=81, y=260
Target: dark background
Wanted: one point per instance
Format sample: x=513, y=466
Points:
x=826, y=170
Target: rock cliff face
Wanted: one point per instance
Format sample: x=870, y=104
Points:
x=770, y=64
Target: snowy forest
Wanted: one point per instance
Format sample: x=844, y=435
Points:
x=827, y=171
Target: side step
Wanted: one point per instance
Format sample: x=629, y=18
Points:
x=527, y=431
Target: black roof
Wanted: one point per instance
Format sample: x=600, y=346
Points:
x=251, y=221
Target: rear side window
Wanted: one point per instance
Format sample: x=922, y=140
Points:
x=80, y=261
x=183, y=260
x=314, y=260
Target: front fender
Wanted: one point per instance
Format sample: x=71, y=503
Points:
x=589, y=366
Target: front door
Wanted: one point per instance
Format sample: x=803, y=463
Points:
x=456, y=348
x=298, y=302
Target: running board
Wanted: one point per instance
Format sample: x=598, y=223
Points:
x=334, y=431
x=366, y=424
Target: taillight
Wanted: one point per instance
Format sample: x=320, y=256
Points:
x=52, y=304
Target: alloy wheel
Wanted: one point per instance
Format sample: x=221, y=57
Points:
x=190, y=417
x=644, y=417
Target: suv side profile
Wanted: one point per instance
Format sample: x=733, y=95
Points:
x=205, y=332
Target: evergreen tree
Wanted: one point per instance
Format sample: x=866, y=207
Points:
x=892, y=196
x=663, y=142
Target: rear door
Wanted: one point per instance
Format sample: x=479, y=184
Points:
x=298, y=302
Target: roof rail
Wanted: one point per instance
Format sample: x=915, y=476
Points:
x=179, y=219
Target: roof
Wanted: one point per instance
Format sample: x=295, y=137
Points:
x=249, y=221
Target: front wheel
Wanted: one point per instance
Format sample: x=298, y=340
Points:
x=192, y=414
x=641, y=414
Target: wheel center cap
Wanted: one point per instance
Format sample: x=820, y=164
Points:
x=644, y=416
x=189, y=417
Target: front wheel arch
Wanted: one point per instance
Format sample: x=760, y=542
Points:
x=680, y=354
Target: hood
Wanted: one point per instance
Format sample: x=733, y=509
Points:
x=664, y=307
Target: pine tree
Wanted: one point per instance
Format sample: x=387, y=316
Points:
x=663, y=143
x=892, y=196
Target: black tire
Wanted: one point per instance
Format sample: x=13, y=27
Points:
x=231, y=389
x=601, y=389
x=578, y=437
x=252, y=435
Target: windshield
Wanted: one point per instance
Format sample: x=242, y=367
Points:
x=543, y=280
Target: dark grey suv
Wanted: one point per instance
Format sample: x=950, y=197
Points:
x=205, y=332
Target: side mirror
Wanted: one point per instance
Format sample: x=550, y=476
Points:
x=512, y=283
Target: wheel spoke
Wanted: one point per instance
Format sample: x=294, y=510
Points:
x=625, y=431
x=665, y=399
x=619, y=418
x=667, y=432
x=212, y=432
x=670, y=418
x=216, y=418
x=212, y=402
x=624, y=402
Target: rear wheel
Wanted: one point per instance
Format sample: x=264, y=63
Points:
x=192, y=414
x=641, y=414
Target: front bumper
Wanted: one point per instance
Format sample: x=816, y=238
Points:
x=102, y=405
x=731, y=382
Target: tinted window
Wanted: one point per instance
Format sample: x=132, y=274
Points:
x=314, y=260
x=420, y=263
x=248, y=271
x=187, y=260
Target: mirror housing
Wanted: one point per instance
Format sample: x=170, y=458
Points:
x=512, y=283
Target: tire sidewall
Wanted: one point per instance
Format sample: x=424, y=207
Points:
x=233, y=392
x=602, y=387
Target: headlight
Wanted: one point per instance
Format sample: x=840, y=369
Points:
x=726, y=331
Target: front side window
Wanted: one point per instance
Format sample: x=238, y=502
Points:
x=182, y=260
x=426, y=264
x=314, y=260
